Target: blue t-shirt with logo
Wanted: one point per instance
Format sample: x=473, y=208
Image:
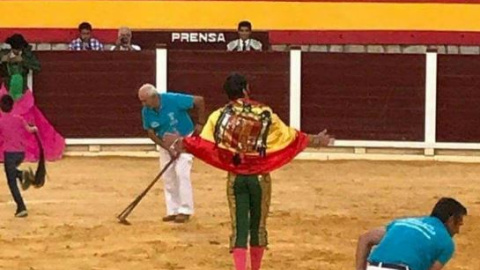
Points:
x=172, y=116
x=415, y=242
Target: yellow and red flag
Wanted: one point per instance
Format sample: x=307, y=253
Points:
x=235, y=144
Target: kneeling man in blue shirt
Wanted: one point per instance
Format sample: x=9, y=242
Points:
x=421, y=243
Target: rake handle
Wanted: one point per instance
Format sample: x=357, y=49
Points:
x=126, y=212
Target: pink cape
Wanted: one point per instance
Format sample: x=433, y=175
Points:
x=52, y=142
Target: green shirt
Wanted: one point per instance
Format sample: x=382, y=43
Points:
x=29, y=62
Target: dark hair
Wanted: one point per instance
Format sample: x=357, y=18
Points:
x=448, y=207
x=17, y=42
x=234, y=86
x=6, y=103
x=84, y=25
x=245, y=24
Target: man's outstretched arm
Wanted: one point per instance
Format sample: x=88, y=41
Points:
x=365, y=244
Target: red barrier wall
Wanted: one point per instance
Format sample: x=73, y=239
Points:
x=458, y=98
x=355, y=96
x=93, y=95
x=364, y=96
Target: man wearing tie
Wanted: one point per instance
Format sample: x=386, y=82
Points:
x=244, y=42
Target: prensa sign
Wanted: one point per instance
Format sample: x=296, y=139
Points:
x=198, y=37
x=192, y=39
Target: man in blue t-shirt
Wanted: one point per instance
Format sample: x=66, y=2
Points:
x=420, y=243
x=170, y=113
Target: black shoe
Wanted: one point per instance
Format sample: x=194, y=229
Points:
x=21, y=213
x=182, y=218
x=169, y=218
x=26, y=179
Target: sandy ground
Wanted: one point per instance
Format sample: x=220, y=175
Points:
x=318, y=211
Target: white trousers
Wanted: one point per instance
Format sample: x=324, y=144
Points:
x=177, y=185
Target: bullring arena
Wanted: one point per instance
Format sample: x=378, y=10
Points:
x=319, y=208
x=394, y=81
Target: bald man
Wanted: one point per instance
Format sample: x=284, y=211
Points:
x=124, y=41
x=170, y=113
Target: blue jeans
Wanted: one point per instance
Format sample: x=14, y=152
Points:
x=11, y=161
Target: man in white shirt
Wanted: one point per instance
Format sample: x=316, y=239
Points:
x=124, y=41
x=244, y=42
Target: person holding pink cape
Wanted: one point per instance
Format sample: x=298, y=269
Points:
x=15, y=64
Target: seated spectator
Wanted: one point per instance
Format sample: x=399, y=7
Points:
x=15, y=64
x=85, y=42
x=244, y=42
x=124, y=41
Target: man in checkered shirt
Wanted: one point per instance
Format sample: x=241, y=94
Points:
x=85, y=42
